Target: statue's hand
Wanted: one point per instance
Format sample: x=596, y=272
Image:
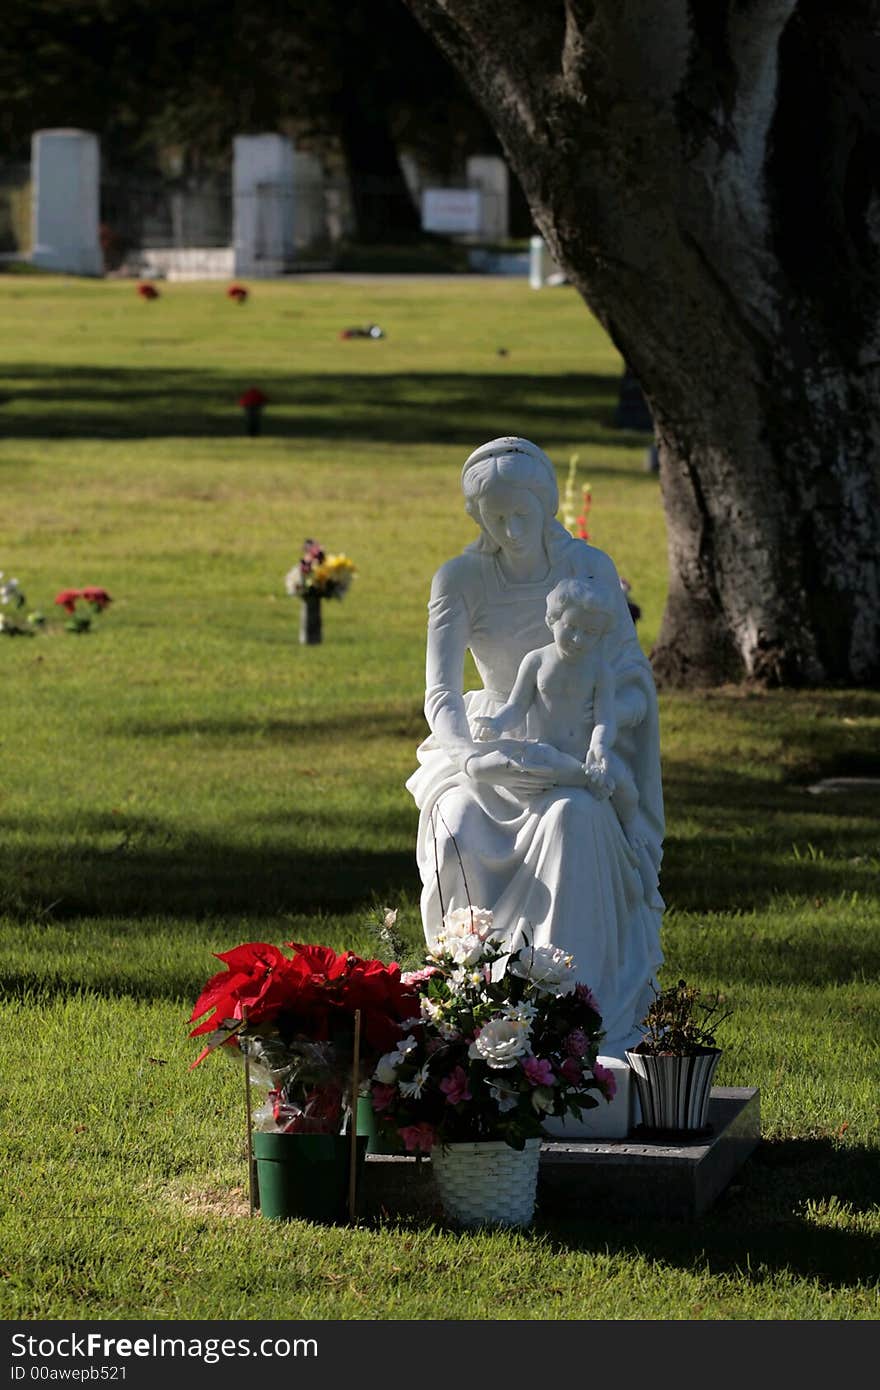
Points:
x=599, y=779
x=503, y=768
x=485, y=728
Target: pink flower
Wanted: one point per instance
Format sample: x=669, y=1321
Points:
x=572, y=1070
x=606, y=1079
x=382, y=1096
x=577, y=1043
x=538, y=1070
x=455, y=1087
x=415, y=977
x=417, y=1138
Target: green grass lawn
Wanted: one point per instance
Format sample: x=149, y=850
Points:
x=187, y=777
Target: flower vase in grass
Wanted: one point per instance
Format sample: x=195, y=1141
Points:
x=12, y=597
x=317, y=576
x=252, y=402
x=504, y=1040
x=95, y=598
x=295, y=1019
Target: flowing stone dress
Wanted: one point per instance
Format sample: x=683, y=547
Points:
x=555, y=867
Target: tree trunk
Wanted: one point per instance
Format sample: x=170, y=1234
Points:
x=383, y=208
x=706, y=173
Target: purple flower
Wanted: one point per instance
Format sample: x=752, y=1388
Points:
x=538, y=1070
x=577, y=1043
x=586, y=996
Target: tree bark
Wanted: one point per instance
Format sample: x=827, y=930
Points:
x=706, y=173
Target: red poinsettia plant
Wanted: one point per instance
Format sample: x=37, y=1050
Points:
x=147, y=291
x=294, y=1019
x=238, y=293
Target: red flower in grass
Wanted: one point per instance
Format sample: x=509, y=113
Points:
x=67, y=599
x=96, y=596
x=253, y=396
x=147, y=291
x=238, y=293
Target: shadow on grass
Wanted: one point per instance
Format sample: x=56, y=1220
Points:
x=759, y=1226
x=311, y=727
x=197, y=879
x=54, y=401
x=759, y=841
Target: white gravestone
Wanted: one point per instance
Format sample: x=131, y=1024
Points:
x=489, y=175
x=65, y=175
x=263, y=204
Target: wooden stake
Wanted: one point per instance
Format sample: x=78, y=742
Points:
x=252, y=1204
x=355, y=1082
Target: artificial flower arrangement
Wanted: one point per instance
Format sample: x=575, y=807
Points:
x=96, y=600
x=11, y=595
x=319, y=574
x=308, y=1025
x=504, y=1039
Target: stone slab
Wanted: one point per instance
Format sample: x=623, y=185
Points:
x=635, y=1175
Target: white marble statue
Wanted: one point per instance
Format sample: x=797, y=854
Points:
x=528, y=825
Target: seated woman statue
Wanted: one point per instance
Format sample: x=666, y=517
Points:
x=516, y=826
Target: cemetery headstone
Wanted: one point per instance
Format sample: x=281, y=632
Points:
x=65, y=174
x=489, y=175
x=263, y=204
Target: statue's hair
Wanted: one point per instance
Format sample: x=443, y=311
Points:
x=514, y=461
x=587, y=595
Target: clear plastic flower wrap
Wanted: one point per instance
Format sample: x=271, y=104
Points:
x=307, y=1085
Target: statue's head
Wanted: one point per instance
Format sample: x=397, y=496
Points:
x=587, y=598
x=514, y=463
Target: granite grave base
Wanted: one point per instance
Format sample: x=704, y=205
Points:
x=664, y=1179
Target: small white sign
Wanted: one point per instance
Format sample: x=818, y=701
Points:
x=451, y=210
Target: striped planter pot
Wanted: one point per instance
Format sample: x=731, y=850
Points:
x=488, y=1182
x=674, y=1091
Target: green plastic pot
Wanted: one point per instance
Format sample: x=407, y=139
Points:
x=305, y=1176
x=379, y=1139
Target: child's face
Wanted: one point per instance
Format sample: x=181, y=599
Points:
x=576, y=631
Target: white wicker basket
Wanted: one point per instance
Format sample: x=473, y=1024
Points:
x=487, y=1182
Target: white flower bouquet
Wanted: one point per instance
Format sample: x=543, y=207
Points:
x=504, y=1039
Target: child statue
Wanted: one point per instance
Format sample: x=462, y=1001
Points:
x=564, y=694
